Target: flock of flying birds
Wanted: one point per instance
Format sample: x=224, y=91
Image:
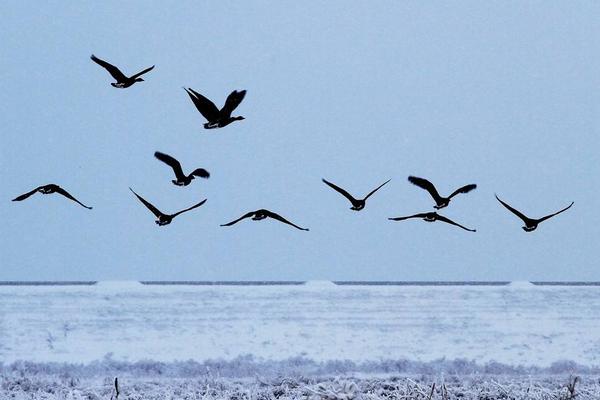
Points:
x=219, y=118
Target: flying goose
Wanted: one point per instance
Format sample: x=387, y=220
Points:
x=262, y=214
x=432, y=217
x=441, y=202
x=530, y=224
x=182, y=179
x=164, y=219
x=357, y=204
x=48, y=189
x=217, y=118
x=122, y=80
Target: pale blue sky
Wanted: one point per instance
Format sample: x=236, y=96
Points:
x=502, y=94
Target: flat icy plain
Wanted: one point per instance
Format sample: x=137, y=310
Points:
x=518, y=324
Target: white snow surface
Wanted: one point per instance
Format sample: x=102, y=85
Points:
x=512, y=325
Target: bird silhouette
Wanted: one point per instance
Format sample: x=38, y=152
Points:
x=48, y=189
x=164, y=219
x=182, y=179
x=357, y=204
x=530, y=223
x=122, y=80
x=262, y=214
x=432, y=217
x=217, y=118
x=440, y=201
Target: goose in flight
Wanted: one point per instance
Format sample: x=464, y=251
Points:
x=182, y=179
x=432, y=217
x=164, y=219
x=440, y=201
x=48, y=189
x=357, y=204
x=122, y=81
x=530, y=223
x=217, y=118
x=262, y=214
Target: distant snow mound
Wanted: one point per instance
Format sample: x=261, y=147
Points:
x=521, y=285
x=320, y=284
x=118, y=284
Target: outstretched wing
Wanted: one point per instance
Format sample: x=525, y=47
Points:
x=285, y=221
x=376, y=189
x=206, y=107
x=449, y=221
x=26, y=195
x=233, y=100
x=142, y=72
x=68, y=196
x=114, y=71
x=464, y=189
x=188, y=209
x=422, y=215
x=556, y=213
x=171, y=162
x=340, y=190
x=150, y=207
x=201, y=172
x=247, y=215
x=514, y=211
x=425, y=184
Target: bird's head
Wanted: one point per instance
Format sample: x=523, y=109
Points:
x=529, y=228
x=139, y=80
x=238, y=118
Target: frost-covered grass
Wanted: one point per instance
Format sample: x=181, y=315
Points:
x=250, y=378
x=486, y=387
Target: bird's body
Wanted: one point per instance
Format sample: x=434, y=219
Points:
x=531, y=224
x=262, y=214
x=162, y=218
x=440, y=201
x=357, y=204
x=181, y=178
x=122, y=81
x=49, y=189
x=217, y=118
x=432, y=217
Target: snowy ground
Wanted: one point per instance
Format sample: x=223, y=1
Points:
x=415, y=387
x=513, y=325
x=313, y=341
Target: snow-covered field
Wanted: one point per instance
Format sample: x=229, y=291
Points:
x=347, y=388
x=515, y=324
x=240, y=339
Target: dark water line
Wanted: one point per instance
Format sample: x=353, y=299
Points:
x=297, y=283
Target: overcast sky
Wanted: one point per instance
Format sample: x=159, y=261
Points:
x=502, y=94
